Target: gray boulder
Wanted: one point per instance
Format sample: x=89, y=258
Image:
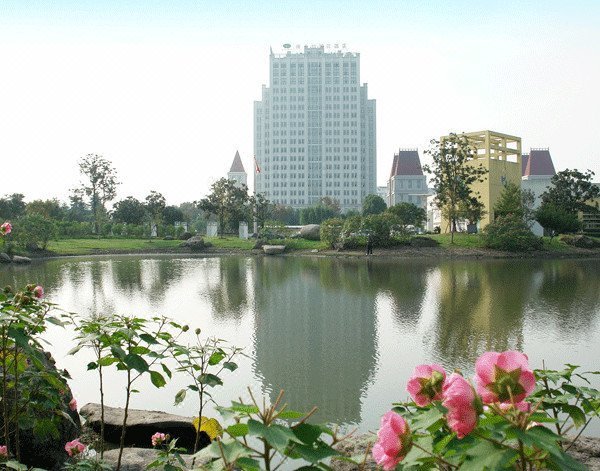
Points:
x=4, y=258
x=141, y=425
x=19, y=259
x=273, y=249
x=311, y=232
x=195, y=243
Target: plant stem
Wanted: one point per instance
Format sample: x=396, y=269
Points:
x=123, y=430
x=439, y=458
x=101, y=411
x=5, y=390
x=16, y=404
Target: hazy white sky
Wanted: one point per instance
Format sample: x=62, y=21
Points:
x=165, y=90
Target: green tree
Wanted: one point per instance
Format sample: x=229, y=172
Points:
x=557, y=219
x=172, y=214
x=35, y=230
x=77, y=209
x=317, y=214
x=373, y=204
x=262, y=209
x=227, y=202
x=331, y=203
x=286, y=214
x=130, y=210
x=453, y=175
x=472, y=209
x=12, y=206
x=155, y=205
x=52, y=209
x=570, y=190
x=510, y=202
x=408, y=214
x=100, y=185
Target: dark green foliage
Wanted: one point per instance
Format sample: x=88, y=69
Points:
x=379, y=227
x=155, y=205
x=331, y=231
x=130, y=211
x=570, y=190
x=51, y=209
x=227, y=202
x=373, y=204
x=316, y=214
x=35, y=230
x=408, y=214
x=286, y=214
x=261, y=209
x=512, y=234
x=509, y=202
x=557, y=219
x=12, y=206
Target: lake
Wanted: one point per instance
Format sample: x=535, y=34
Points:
x=340, y=333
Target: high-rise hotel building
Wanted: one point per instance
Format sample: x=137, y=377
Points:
x=314, y=130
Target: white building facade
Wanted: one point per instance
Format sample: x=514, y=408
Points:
x=237, y=172
x=407, y=183
x=537, y=170
x=314, y=130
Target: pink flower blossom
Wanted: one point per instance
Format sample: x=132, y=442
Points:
x=75, y=447
x=504, y=377
x=73, y=404
x=393, y=441
x=38, y=292
x=463, y=404
x=3, y=451
x=5, y=228
x=159, y=438
x=426, y=384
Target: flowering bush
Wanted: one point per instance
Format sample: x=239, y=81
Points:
x=501, y=420
x=5, y=228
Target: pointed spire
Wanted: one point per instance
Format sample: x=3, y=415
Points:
x=539, y=163
x=406, y=162
x=237, y=166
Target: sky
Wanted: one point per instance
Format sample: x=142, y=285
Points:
x=165, y=89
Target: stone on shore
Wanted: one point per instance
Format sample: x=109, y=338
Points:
x=141, y=425
x=137, y=459
x=19, y=259
x=4, y=258
x=273, y=249
x=195, y=243
x=311, y=232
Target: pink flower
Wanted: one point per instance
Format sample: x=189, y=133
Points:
x=426, y=383
x=74, y=447
x=5, y=228
x=38, y=292
x=73, y=404
x=159, y=438
x=3, y=451
x=503, y=377
x=463, y=404
x=393, y=441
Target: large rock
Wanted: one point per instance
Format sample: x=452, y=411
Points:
x=4, y=258
x=141, y=425
x=273, y=249
x=19, y=259
x=311, y=232
x=195, y=243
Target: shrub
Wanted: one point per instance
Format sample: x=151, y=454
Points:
x=331, y=231
x=35, y=229
x=380, y=227
x=556, y=219
x=512, y=234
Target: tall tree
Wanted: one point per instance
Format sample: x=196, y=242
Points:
x=262, y=209
x=453, y=176
x=12, y=206
x=226, y=201
x=172, y=214
x=155, y=205
x=100, y=185
x=51, y=209
x=570, y=190
x=373, y=204
x=408, y=214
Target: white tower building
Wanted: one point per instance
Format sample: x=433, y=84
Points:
x=237, y=171
x=314, y=130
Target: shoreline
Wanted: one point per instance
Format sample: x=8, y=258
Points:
x=396, y=253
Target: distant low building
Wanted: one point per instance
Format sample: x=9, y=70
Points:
x=407, y=183
x=237, y=171
x=538, y=170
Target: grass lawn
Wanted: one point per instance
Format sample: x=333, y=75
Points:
x=90, y=246
x=473, y=241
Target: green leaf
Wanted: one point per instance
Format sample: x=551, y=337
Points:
x=216, y=357
x=315, y=452
x=276, y=435
x=107, y=361
x=245, y=408
x=248, y=464
x=157, y=379
x=148, y=339
x=210, y=379
x=166, y=370
x=136, y=362
x=485, y=455
x=118, y=352
x=291, y=415
x=230, y=365
x=430, y=419
x=237, y=430
x=15, y=465
x=92, y=365
x=180, y=396
x=307, y=433
x=576, y=414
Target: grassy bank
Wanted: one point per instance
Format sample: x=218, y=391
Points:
x=463, y=244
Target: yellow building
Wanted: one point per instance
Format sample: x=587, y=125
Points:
x=500, y=155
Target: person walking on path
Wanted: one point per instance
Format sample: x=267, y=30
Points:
x=369, y=244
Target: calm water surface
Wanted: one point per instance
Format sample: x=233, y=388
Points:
x=342, y=334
